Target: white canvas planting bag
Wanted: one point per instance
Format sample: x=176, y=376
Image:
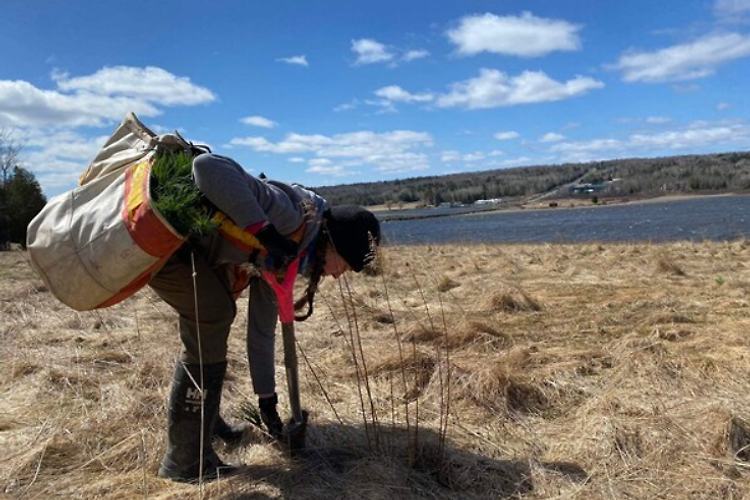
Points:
x=103, y=241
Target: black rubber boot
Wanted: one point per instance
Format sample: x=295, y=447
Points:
x=182, y=461
x=270, y=416
x=231, y=434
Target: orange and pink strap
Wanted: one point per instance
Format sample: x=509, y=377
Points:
x=284, y=290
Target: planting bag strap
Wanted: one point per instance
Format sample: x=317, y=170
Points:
x=130, y=142
x=245, y=240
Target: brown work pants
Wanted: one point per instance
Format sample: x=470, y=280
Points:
x=204, y=329
x=216, y=312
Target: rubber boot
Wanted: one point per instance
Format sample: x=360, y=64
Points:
x=270, y=416
x=231, y=434
x=182, y=461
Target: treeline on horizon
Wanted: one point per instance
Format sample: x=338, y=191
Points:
x=623, y=177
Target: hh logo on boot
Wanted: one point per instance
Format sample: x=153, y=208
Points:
x=193, y=399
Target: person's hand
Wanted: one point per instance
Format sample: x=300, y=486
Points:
x=281, y=249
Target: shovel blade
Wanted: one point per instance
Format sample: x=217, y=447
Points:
x=295, y=433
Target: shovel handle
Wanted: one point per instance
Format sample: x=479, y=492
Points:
x=292, y=375
x=285, y=301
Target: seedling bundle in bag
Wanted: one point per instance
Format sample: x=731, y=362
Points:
x=101, y=242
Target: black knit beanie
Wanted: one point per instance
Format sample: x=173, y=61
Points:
x=352, y=229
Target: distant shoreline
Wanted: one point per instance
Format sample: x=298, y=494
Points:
x=567, y=203
x=561, y=204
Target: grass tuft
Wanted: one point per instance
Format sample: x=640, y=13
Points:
x=667, y=266
x=512, y=301
x=445, y=284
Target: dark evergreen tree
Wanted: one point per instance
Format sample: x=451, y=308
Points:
x=21, y=198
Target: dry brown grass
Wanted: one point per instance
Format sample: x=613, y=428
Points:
x=567, y=371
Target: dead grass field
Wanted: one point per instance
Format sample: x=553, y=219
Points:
x=556, y=371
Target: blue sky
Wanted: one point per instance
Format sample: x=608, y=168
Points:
x=334, y=92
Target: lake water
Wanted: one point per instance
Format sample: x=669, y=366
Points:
x=713, y=218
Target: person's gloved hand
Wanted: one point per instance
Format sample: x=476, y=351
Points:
x=281, y=249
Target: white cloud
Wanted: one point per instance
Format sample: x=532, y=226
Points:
x=696, y=137
x=517, y=162
x=296, y=159
x=394, y=93
x=525, y=36
x=320, y=162
x=472, y=157
x=150, y=84
x=450, y=156
x=688, y=61
x=454, y=156
x=386, y=106
x=493, y=89
x=161, y=129
x=295, y=60
x=256, y=143
x=693, y=138
x=98, y=99
x=591, y=146
x=413, y=55
x=332, y=171
x=346, y=106
x=698, y=124
x=658, y=120
x=370, y=51
x=551, y=137
x=47, y=118
x=23, y=105
x=399, y=163
x=326, y=167
x=505, y=136
x=68, y=145
x=58, y=158
x=386, y=152
x=723, y=106
x=259, y=121
x=651, y=120
x=728, y=9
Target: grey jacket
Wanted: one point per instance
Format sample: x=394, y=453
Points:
x=248, y=200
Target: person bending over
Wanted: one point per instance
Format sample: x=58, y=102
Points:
x=290, y=223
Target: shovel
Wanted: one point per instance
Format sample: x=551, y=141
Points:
x=294, y=432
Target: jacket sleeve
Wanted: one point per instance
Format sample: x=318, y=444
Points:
x=248, y=201
x=261, y=332
x=232, y=190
